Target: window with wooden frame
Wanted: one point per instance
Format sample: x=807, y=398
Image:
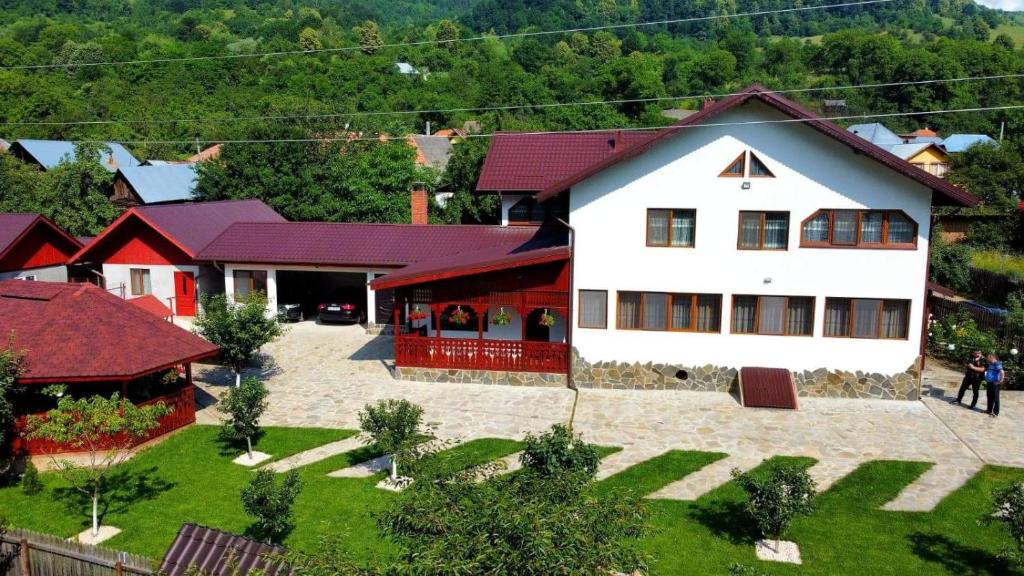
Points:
x=669, y=312
x=758, y=169
x=249, y=281
x=875, y=318
x=738, y=168
x=527, y=211
x=829, y=228
x=763, y=231
x=593, y=309
x=673, y=227
x=141, y=284
x=773, y=315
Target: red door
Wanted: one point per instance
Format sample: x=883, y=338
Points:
x=184, y=294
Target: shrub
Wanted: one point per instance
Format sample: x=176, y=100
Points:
x=557, y=451
x=244, y=406
x=960, y=331
x=30, y=483
x=393, y=426
x=777, y=497
x=271, y=503
x=1009, y=504
x=951, y=264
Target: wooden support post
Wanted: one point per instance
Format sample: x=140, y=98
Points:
x=124, y=389
x=188, y=374
x=118, y=569
x=26, y=564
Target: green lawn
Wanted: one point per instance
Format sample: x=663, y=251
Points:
x=190, y=478
x=999, y=263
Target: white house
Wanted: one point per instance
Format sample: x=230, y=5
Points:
x=750, y=234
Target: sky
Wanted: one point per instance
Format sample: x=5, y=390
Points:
x=1003, y=4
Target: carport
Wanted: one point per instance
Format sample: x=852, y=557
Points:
x=309, y=288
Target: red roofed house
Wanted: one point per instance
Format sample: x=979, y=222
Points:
x=751, y=236
x=151, y=250
x=89, y=327
x=34, y=248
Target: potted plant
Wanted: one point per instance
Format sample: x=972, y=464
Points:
x=502, y=318
x=459, y=316
x=547, y=319
x=416, y=314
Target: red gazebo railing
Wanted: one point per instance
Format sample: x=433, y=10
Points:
x=477, y=354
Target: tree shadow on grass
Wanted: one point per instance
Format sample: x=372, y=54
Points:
x=727, y=519
x=122, y=489
x=227, y=445
x=957, y=558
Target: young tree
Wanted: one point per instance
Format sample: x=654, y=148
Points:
x=12, y=364
x=240, y=329
x=777, y=497
x=30, y=483
x=105, y=428
x=393, y=426
x=271, y=503
x=558, y=451
x=244, y=406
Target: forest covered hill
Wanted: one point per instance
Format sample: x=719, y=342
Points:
x=349, y=82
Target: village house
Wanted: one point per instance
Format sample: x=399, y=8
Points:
x=48, y=154
x=34, y=248
x=90, y=327
x=151, y=250
x=751, y=234
x=154, y=183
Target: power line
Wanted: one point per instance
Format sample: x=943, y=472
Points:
x=214, y=120
x=452, y=41
x=329, y=139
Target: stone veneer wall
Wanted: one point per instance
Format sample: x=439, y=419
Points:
x=820, y=383
x=479, y=377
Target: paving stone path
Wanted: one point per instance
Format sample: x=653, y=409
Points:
x=316, y=454
x=939, y=481
x=323, y=375
x=625, y=458
x=699, y=483
x=364, y=469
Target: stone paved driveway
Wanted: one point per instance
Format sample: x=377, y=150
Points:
x=322, y=376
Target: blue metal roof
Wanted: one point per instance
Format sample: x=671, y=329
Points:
x=876, y=134
x=162, y=183
x=50, y=153
x=961, y=142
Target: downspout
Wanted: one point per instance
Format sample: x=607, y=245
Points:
x=569, y=321
x=926, y=305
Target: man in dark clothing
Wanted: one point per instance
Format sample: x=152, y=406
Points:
x=994, y=376
x=974, y=371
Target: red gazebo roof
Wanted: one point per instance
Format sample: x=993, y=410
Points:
x=80, y=333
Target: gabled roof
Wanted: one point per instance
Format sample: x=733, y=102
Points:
x=153, y=305
x=946, y=192
x=960, y=142
x=161, y=182
x=190, y=226
x=15, y=226
x=876, y=134
x=50, y=153
x=207, y=154
x=4, y=145
x=209, y=551
x=908, y=151
x=100, y=337
x=432, y=151
x=343, y=244
x=531, y=162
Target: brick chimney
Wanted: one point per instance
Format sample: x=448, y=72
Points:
x=419, y=203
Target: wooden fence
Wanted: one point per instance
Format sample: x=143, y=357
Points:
x=25, y=553
x=942, y=308
x=992, y=286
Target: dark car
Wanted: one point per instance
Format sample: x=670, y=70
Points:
x=290, y=312
x=340, y=308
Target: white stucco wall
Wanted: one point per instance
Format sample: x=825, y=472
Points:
x=507, y=202
x=57, y=273
x=161, y=277
x=811, y=171
x=272, y=282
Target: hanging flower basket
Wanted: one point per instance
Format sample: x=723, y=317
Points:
x=547, y=319
x=417, y=314
x=502, y=318
x=459, y=317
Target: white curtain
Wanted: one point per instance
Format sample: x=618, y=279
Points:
x=865, y=318
x=816, y=229
x=629, y=309
x=682, y=227
x=776, y=231
x=750, y=230
x=800, y=316
x=744, y=311
x=901, y=230
x=709, y=313
x=657, y=227
x=837, y=317
x=593, y=308
x=895, y=315
x=772, y=315
x=844, y=229
x=871, y=227
x=682, y=313
x=655, y=311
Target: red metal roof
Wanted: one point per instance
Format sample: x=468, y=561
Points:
x=767, y=388
x=81, y=333
x=947, y=192
x=190, y=226
x=475, y=262
x=209, y=551
x=342, y=244
x=532, y=162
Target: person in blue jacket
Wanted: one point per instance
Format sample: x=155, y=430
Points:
x=994, y=376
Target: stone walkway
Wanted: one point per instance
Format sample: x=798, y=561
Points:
x=625, y=458
x=828, y=471
x=930, y=488
x=316, y=454
x=323, y=375
x=707, y=478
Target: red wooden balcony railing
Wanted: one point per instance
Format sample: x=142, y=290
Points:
x=476, y=354
x=183, y=412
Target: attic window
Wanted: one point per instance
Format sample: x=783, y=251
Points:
x=758, y=169
x=737, y=168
